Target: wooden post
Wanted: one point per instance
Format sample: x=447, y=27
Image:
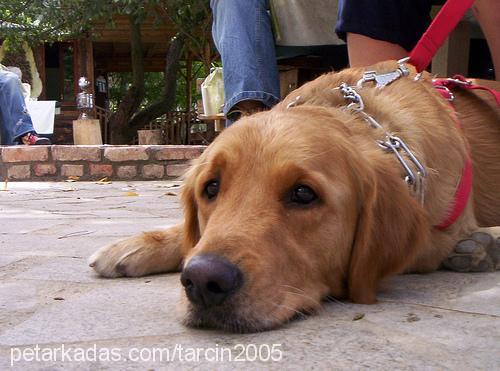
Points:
x=87, y=132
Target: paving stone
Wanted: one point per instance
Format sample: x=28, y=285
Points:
x=76, y=153
x=118, y=154
x=25, y=153
x=177, y=169
x=459, y=313
x=19, y=172
x=153, y=171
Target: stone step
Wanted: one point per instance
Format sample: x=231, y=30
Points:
x=58, y=162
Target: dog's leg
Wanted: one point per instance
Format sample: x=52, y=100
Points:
x=146, y=253
x=478, y=253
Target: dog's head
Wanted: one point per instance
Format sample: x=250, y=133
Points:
x=284, y=209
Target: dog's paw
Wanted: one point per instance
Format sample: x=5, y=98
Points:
x=478, y=253
x=147, y=253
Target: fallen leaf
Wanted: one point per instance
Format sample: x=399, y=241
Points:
x=72, y=179
x=58, y=298
x=104, y=180
x=358, y=316
x=131, y=194
x=170, y=194
x=412, y=317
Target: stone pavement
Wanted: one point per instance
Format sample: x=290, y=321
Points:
x=50, y=299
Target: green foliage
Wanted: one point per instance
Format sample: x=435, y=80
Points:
x=119, y=83
x=17, y=57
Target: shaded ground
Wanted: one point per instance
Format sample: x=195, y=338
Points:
x=49, y=298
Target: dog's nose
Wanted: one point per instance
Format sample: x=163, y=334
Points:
x=210, y=279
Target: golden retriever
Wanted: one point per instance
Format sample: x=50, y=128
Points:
x=290, y=206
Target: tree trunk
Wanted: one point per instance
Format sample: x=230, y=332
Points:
x=120, y=131
x=167, y=100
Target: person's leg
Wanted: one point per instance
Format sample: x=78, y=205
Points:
x=15, y=120
x=377, y=30
x=365, y=51
x=243, y=36
x=487, y=12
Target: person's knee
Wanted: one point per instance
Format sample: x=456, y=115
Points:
x=9, y=81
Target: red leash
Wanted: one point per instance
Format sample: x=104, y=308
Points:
x=447, y=19
x=443, y=24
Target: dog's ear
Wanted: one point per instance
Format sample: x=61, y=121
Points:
x=191, y=225
x=392, y=227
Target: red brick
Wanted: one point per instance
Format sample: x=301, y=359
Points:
x=126, y=153
x=76, y=153
x=25, y=153
x=153, y=171
x=44, y=169
x=126, y=172
x=177, y=169
x=101, y=170
x=178, y=152
x=19, y=172
x=71, y=170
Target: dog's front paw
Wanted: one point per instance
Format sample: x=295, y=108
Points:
x=147, y=253
x=479, y=253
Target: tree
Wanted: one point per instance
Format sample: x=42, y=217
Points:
x=45, y=21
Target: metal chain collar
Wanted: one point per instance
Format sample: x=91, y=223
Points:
x=415, y=171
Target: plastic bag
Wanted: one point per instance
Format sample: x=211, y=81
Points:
x=212, y=92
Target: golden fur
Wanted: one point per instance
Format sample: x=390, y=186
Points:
x=366, y=225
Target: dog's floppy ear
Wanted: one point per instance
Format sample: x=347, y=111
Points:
x=392, y=226
x=191, y=225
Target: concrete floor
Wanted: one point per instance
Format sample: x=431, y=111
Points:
x=54, y=309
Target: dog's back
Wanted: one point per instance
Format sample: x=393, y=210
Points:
x=480, y=118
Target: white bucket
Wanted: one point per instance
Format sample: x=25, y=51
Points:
x=212, y=92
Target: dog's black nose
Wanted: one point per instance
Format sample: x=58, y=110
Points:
x=210, y=279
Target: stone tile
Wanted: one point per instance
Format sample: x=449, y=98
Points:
x=19, y=172
x=71, y=170
x=177, y=169
x=118, y=154
x=455, y=321
x=25, y=153
x=44, y=169
x=76, y=153
x=126, y=172
x=17, y=296
x=104, y=311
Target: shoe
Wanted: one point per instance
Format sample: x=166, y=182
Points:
x=31, y=139
x=245, y=108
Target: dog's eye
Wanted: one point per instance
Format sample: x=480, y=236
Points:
x=302, y=195
x=211, y=189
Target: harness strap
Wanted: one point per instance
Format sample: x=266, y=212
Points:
x=442, y=25
x=459, y=81
x=464, y=188
x=461, y=196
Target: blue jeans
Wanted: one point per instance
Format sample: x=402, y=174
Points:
x=15, y=120
x=243, y=36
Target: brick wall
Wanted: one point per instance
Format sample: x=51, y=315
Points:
x=95, y=162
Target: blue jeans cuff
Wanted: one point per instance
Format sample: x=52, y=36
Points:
x=267, y=99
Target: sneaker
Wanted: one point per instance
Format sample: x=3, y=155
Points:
x=31, y=139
